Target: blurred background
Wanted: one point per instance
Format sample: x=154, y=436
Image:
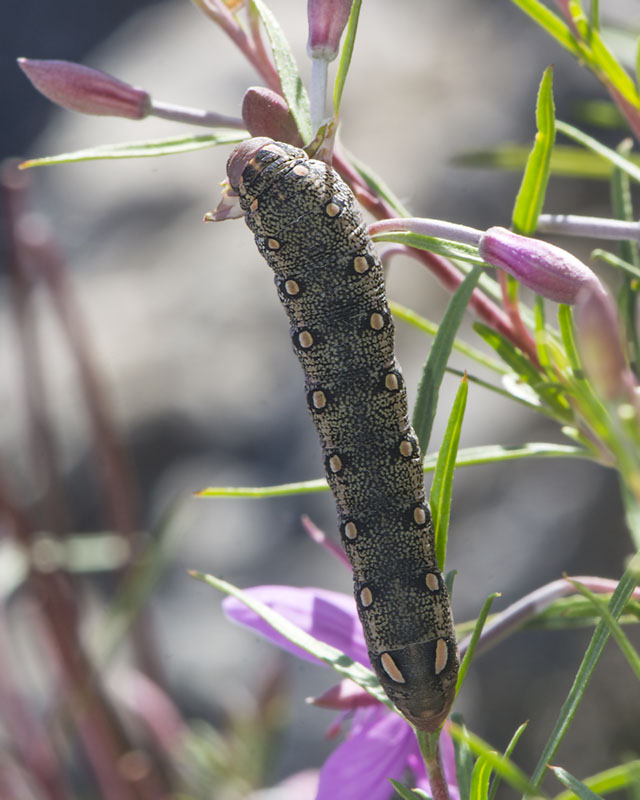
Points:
x=188, y=349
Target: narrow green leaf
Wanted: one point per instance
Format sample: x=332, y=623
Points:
x=577, y=787
x=345, y=56
x=566, y=161
x=577, y=612
x=509, y=749
x=406, y=794
x=549, y=22
x=606, y=153
x=292, y=87
x=463, y=757
x=434, y=244
x=550, y=393
x=619, y=599
x=143, y=149
x=378, y=186
x=502, y=765
x=434, y=368
x=616, y=261
x=475, y=637
x=426, y=326
x=533, y=187
x=442, y=484
x=480, y=778
x=610, y=780
x=467, y=457
x=616, y=631
x=336, y=659
x=603, y=61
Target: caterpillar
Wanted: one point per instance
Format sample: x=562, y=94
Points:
x=308, y=227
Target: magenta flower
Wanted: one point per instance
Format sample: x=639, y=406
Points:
x=380, y=744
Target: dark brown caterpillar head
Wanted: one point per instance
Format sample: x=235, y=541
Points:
x=424, y=699
x=259, y=158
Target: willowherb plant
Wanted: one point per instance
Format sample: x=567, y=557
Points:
x=297, y=188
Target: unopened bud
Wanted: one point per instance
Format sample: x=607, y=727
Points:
x=327, y=20
x=87, y=90
x=265, y=113
x=548, y=270
x=600, y=344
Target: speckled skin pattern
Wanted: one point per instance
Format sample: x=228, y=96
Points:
x=308, y=227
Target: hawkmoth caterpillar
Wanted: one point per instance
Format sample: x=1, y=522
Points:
x=308, y=227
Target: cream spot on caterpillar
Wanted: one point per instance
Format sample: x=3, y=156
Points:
x=376, y=320
x=391, y=382
x=391, y=668
x=335, y=463
x=442, y=656
x=254, y=205
x=332, y=209
x=300, y=170
x=366, y=597
x=360, y=264
x=291, y=287
x=419, y=515
x=350, y=530
x=319, y=399
x=273, y=244
x=406, y=448
x=432, y=582
x=305, y=339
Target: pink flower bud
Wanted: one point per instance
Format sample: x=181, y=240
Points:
x=548, y=270
x=327, y=20
x=599, y=341
x=84, y=89
x=265, y=113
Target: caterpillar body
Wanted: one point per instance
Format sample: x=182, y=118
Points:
x=308, y=227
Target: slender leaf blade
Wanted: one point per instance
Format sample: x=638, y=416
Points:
x=434, y=244
x=292, y=87
x=615, y=159
x=592, y=655
x=531, y=194
x=609, y=780
x=149, y=148
x=502, y=765
x=435, y=366
x=475, y=638
x=480, y=779
x=577, y=787
x=404, y=792
x=616, y=631
x=330, y=655
x=442, y=484
x=345, y=55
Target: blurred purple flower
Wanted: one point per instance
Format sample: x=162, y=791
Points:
x=380, y=744
x=548, y=270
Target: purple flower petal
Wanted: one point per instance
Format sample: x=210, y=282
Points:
x=328, y=616
x=376, y=750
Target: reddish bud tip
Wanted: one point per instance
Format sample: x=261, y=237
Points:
x=327, y=20
x=548, y=270
x=87, y=90
x=265, y=113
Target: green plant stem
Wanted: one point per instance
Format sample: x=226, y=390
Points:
x=430, y=749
